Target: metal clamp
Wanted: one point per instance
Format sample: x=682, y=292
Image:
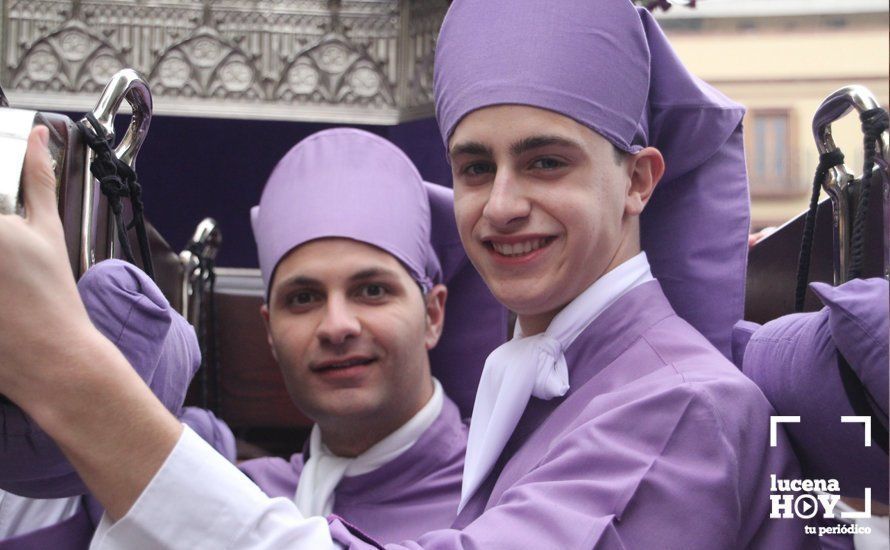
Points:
x=837, y=183
x=125, y=84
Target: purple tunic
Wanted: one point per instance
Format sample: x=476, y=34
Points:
x=656, y=420
x=411, y=495
x=76, y=532
x=72, y=534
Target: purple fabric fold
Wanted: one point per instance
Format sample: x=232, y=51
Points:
x=127, y=307
x=794, y=360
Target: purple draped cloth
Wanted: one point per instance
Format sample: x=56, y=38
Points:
x=127, y=307
x=74, y=533
x=794, y=360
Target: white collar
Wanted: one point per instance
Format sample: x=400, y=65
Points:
x=323, y=471
x=535, y=365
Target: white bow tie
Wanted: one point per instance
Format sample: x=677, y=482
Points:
x=534, y=366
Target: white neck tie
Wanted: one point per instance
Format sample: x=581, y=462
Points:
x=323, y=471
x=534, y=365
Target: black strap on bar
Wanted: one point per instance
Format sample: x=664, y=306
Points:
x=117, y=180
x=874, y=123
x=860, y=402
x=209, y=375
x=827, y=161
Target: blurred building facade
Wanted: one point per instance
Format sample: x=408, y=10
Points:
x=781, y=58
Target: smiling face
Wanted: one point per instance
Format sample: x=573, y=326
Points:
x=350, y=330
x=543, y=206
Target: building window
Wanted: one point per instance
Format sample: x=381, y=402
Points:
x=770, y=154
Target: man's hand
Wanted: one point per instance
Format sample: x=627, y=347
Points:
x=57, y=367
x=42, y=312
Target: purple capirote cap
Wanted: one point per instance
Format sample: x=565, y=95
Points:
x=127, y=307
x=346, y=183
x=607, y=65
x=794, y=361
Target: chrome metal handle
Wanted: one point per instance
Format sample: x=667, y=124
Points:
x=125, y=84
x=837, y=181
x=207, y=238
x=835, y=106
x=204, y=244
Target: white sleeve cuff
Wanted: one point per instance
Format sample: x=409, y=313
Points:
x=200, y=500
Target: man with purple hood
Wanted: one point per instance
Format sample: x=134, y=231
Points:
x=608, y=421
x=354, y=303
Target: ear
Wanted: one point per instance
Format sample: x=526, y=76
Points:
x=435, y=315
x=644, y=169
x=264, y=313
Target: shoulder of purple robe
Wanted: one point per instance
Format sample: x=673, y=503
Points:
x=674, y=481
x=432, y=466
x=416, y=492
x=275, y=476
x=74, y=533
x=665, y=445
x=128, y=308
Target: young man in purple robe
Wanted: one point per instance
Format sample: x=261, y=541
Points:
x=353, y=307
x=608, y=421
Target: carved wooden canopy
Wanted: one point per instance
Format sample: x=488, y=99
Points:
x=345, y=61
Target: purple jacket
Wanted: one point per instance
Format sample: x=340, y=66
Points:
x=411, y=495
x=660, y=443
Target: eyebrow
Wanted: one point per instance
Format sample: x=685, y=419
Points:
x=371, y=273
x=471, y=148
x=536, y=142
x=363, y=275
x=524, y=145
x=300, y=280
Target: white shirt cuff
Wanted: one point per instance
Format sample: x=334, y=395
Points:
x=200, y=500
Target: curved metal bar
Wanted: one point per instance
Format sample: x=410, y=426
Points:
x=125, y=84
x=835, y=106
x=838, y=178
x=204, y=245
x=208, y=237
